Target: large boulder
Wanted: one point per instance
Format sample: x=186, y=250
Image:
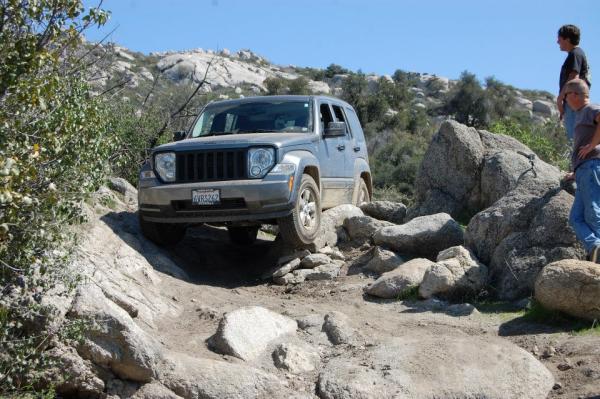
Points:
x=506, y=170
x=570, y=286
x=520, y=220
x=450, y=172
x=398, y=282
x=443, y=366
x=385, y=210
x=546, y=108
x=519, y=235
x=465, y=171
x=332, y=220
x=193, y=377
x=425, y=236
x=125, y=188
x=113, y=340
x=362, y=228
x=455, y=274
x=246, y=332
x=383, y=261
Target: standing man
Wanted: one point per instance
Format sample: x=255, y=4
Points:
x=585, y=161
x=575, y=66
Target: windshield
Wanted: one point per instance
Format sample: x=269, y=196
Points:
x=254, y=117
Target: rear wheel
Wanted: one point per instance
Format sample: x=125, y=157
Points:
x=242, y=235
x=162, y=233
x=302, y=225
x=362, y=195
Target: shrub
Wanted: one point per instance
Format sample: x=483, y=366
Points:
x=55, y=141
x=466, y=102
x=548, y=141
x=334, y=69
x=298, y=86
x=275, y=85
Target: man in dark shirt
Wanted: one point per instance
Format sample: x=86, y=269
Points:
x=585, y=160
x=575, y=66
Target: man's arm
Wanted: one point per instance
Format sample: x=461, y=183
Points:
x=586, y=149
x=561, y=96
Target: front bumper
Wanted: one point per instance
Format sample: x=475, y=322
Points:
x=241, y=201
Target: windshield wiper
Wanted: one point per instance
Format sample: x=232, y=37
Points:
x=256, y=131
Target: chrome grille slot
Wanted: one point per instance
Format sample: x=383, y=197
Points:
x=200, y=166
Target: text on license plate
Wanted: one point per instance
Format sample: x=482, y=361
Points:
x=206, y=197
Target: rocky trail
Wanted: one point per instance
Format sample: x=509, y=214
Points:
x=378, y=308
x=199, y=320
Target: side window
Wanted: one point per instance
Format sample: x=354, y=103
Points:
x=326, y=116
x=339, y=115
x=355, y=125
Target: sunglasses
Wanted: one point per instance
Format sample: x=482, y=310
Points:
x=571, y=92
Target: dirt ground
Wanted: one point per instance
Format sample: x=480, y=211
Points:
x=224, y=277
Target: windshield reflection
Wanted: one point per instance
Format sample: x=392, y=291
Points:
x=254, y=117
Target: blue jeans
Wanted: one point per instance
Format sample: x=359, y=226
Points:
x=569, y=120
x=585, y=213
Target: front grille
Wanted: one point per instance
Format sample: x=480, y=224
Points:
x=200, y=166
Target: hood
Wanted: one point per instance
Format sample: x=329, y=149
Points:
x=239, y=141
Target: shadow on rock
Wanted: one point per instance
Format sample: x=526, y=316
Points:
x=524, y=326
x=203, y=256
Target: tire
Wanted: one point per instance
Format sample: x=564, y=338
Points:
x=163, y=234
x=301, y=227
x=242, y=235
x=362, y=196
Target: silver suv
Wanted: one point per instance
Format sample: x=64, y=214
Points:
x=245, y=162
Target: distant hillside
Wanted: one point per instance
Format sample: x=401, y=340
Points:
x=244, y=73
x=399, y=112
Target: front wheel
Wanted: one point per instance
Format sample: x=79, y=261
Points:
x=242, y=235
x=162, y=233
x=302, y=225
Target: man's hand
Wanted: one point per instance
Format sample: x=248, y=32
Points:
x=585, y=150
x=561, y=110
x=569, y=176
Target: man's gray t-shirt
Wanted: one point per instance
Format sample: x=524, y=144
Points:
x=585, y=127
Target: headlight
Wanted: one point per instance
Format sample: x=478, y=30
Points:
x=260, y=160
x=164, y=163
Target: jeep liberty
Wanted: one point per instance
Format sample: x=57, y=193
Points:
x=268, y=159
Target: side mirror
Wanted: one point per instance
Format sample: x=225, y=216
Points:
x=335, y=129
x=178, y=136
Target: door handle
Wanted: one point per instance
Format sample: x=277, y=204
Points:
x=341, y=147
x=356, y=149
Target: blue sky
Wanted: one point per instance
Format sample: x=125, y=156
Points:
x=513, y=40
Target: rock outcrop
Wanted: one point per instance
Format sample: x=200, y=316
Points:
x=424, y=236
x=429, y=367
x=246, y=332
x=402, y=280
x=520, y=220
x=332, y=223
x=456, y=273
x=570, y=286
x=385, y=210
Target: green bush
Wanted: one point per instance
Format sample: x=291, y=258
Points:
x=55, y=141
x=334, y=69
x=396, y=164
x=548, y=141
x=466, y=102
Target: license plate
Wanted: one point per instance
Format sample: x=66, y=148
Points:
x=206, y=197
